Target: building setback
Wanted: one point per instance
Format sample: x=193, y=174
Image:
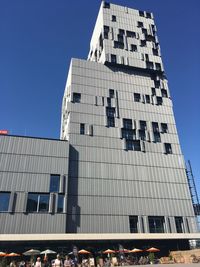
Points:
x=118, y=171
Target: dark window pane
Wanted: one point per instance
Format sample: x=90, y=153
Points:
x=142, y=135
x=4, y=201
x=82, y=128
x=127, y=123
x=179, y=224
x=54, y=183
x=133, y=222
x=156, y=224
x=113, y=58
x=114, y=18
x=110, y=112
x=155, y=127
x=164, y=93
x=133, y=145
x=133, y=48
x=143, y=125
x=168, y=148
x=130, y=34
x=60, y=204
x=164, y=127
x=76, y=97
x=111, y=93
x=140, y=24
x=147, y=99
x=157, y=138
x=128, y=134
x=44, y=202
x=32, y=203
x=136, y=97
x=159, y=100
x=110, y=121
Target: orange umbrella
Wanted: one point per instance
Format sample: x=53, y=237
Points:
x=83, y=251
x=136, y=250
x=123, y=250
x=2, y=254
x=12, y=254
x=153, y=249
x=108, y=251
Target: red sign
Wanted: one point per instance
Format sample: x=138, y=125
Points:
x=3, y=131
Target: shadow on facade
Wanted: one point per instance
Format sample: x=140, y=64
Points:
x=73, y=210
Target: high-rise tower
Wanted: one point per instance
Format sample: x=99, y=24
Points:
x=126, y=168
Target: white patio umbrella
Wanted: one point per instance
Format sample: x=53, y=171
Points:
x=48, y=251
x=31, y=252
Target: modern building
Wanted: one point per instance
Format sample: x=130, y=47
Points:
x=118, y=172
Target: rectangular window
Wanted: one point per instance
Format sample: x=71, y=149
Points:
x=148, y=15
x=141, y=13
x=120, y=38
x=110, y=112
x=137, y=97
x=133, y=145
x=121, y=31
x=153, y=91
x=117, y=44
x=155, y=127
x=164, y=93
x=143, y=125
x=157, y=84
x=110, y=121
x=4, y=201
x=54, y=183
x=76, y=97
x=147, y=99
x=168, y=148
x=106, y=5
x=128, y=134
x=155, y=51
x=82, y=128
x=140, y=24
x=142, y=135
x=37, y=202
x=158, y=66
x=143, y=43
x=60, y=203
x=156, y=224
x=114, y=18
x=108, y=101
x=157, y=138
x=133, y=48
x=159, y=100
x=130, y=34
x=179, y=224
x=106, y=31
x=127, y=123
x=111, y=93
x=113, y=58
x=164, y=127
x=133, y=222
x=149, y=65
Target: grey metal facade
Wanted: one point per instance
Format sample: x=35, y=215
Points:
x=25, y=167
x=119, y=162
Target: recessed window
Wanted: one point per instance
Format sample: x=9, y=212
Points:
x=4, y=201
x=143, y=43
x=153, y=91
x=110, y=112
x=137, y=97
x=113, y=58
x=146, y=57
x=128, y=134
x=157, y=83
x=106, y=5
x=140, y=24
x=149, y=65
x=60, y=203
x=147, y=97
x=82, y=128
x=159, y=100
x=144, y=31
x=118, y=45
x=133, y=145
x=141, y=13
x=121, y=31
x=156, y=224
x=108, y=101
x=157, y=138
x=133, y=48
x=164, y=127
x=127, y=123
x=106, y=31
x=155, y=51
x=54, y=183
x=120, y=38
x=110, y=121
x=133, y=222
x=164, y=93
x=114, y=18
x=142, y=135
x=111, y=93
x=168, y=148
x=37, y=202
x=155, y=127
x=143, y=125
x=76, y=97
x=130, y=34
x=148, y=15
x=158, y=66
x=179, y=224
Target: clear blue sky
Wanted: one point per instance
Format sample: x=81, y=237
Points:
x=39, y=37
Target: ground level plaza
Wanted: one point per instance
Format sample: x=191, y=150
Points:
x=96, y=242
